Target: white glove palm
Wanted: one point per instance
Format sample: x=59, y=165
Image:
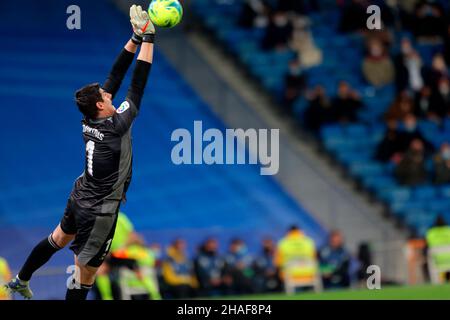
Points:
x=140, y=21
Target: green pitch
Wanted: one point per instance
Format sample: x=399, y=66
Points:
x=427, y=292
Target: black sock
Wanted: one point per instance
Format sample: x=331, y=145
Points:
x=38, y=257
x=78, y=293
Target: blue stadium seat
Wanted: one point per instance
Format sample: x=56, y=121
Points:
x=361, y=169
x=439, y=205
x=379, y=183
x=356, y=130
x=347, y=157
x=299, y=107
x=444, y=191
x=425, y=193
x=420, y=220
x=339, y=144
x=446, y=124
x=331, y=131
x=447, y=217
x=396, y=195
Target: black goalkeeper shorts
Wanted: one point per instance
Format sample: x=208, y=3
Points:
x=93, y=233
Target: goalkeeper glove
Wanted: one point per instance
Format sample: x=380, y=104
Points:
x=143, y=28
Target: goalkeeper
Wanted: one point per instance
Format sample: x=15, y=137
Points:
x=92, y=209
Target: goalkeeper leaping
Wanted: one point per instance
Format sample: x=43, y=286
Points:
x=92, y=209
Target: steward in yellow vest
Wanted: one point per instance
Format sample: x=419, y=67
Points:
x=438, y=237
x=296, y=255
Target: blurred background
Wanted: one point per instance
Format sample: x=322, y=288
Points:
x=364, y=125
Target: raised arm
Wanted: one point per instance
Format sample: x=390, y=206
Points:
x=140, y=74
x=141, y=27
x=120, y=68
x=144, y=31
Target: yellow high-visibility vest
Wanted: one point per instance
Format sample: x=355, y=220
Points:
x=294, y=249
x=439, y=237
x=5, y=275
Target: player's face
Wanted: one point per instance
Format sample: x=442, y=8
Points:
x=106, y=107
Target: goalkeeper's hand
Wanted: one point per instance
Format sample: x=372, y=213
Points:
x=143, y=28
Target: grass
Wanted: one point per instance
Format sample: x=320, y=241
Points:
x=423, y=292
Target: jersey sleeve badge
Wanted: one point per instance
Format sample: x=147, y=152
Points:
x=123, y=107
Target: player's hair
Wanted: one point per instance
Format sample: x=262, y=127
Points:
x=87, y=98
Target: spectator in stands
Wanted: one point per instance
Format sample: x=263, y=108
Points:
x=141, y=262
x=377, y=67
x=411, y=169
x=295, y=82
x=278, y=32
x=389, y=12
x=391, y=145
x=239, y=268
x=440, y=99
x=353, y=17
x=209, y=269
x=298, y=6
x=402, y=106
x=296, y=256
x=365, y=259
x=395, y=141
x=346, y=104
x=429, y=22
x=447, y=45
x=266, y=274
x=178, y=271
x=254, y=14
x=319, y=110
x=309, y=54
x=436, y=72
x=407, y=13
x=335, y=262
x=424, y=104
x=384, y=35
x=412, y=132
x=442, y=165
x=438, y=237
x=408, y=68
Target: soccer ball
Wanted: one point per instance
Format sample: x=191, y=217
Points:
x=165, y=13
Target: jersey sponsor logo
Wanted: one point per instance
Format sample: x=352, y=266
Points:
x=123, y=107
x=92, y=131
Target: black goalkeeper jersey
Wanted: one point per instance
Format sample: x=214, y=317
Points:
x=108, y=162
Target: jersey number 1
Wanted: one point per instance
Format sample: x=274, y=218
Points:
x=90, y=146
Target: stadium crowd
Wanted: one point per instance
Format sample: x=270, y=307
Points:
x=135, y=270
x=422, y=88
